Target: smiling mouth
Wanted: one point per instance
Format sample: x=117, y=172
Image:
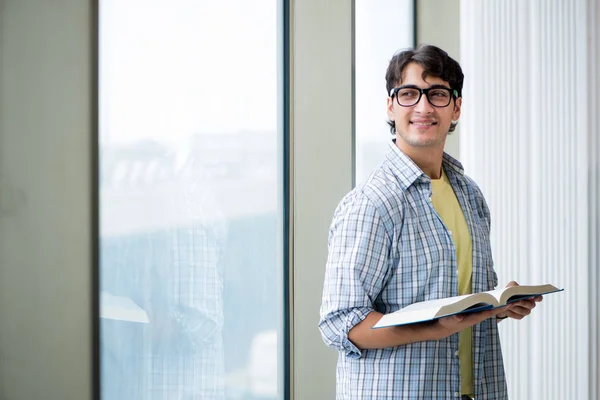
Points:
x=424, y=123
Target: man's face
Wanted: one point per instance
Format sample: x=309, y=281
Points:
x=422, y=125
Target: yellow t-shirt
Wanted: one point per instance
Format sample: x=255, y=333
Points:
x=447, y=206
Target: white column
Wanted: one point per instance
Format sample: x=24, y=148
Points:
x=529, y=138
x=593, y=164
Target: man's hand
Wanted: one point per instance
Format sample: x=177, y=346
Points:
x=456, y=323
x=519, y=309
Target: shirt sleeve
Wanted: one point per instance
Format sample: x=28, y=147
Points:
x=195, y=273
x=197, y=299
x=356, y=271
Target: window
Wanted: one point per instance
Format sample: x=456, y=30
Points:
x=191, y=199
x=382, y=28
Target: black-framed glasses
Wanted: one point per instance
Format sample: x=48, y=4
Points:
x=437, y=96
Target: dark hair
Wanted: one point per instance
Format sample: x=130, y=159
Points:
x=434, y=61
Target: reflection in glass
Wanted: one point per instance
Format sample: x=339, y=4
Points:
x=190, y=200
x=382, y=28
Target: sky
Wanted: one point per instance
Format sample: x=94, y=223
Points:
x=169, y=69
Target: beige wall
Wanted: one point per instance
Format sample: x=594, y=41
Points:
x=45, y=200
x=321, y=131
x=438, y=23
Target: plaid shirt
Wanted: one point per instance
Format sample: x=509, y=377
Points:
x=185, y=358
x=388, y=248
x=174, y=274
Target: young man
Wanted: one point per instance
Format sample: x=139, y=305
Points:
x=418, y=229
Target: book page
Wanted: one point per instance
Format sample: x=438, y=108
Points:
x=434, y=304
x=497, y=294
x=416, y=312
x=503, y=295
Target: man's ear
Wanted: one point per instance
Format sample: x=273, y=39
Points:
x=457, y=106
x=390, y=109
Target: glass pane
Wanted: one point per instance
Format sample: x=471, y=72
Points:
x=191, y=199
x=382, y=28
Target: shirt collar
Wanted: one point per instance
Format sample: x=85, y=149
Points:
x=408, y=172
x=452, y=164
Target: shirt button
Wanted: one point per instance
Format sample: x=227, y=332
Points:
x=450, y=232
x=456, y=394
x=456, y=353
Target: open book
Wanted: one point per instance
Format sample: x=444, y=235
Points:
x=433, y=309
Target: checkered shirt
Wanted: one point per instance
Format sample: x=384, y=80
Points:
x=388, y=248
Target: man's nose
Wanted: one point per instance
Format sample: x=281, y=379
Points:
x=424, y=106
